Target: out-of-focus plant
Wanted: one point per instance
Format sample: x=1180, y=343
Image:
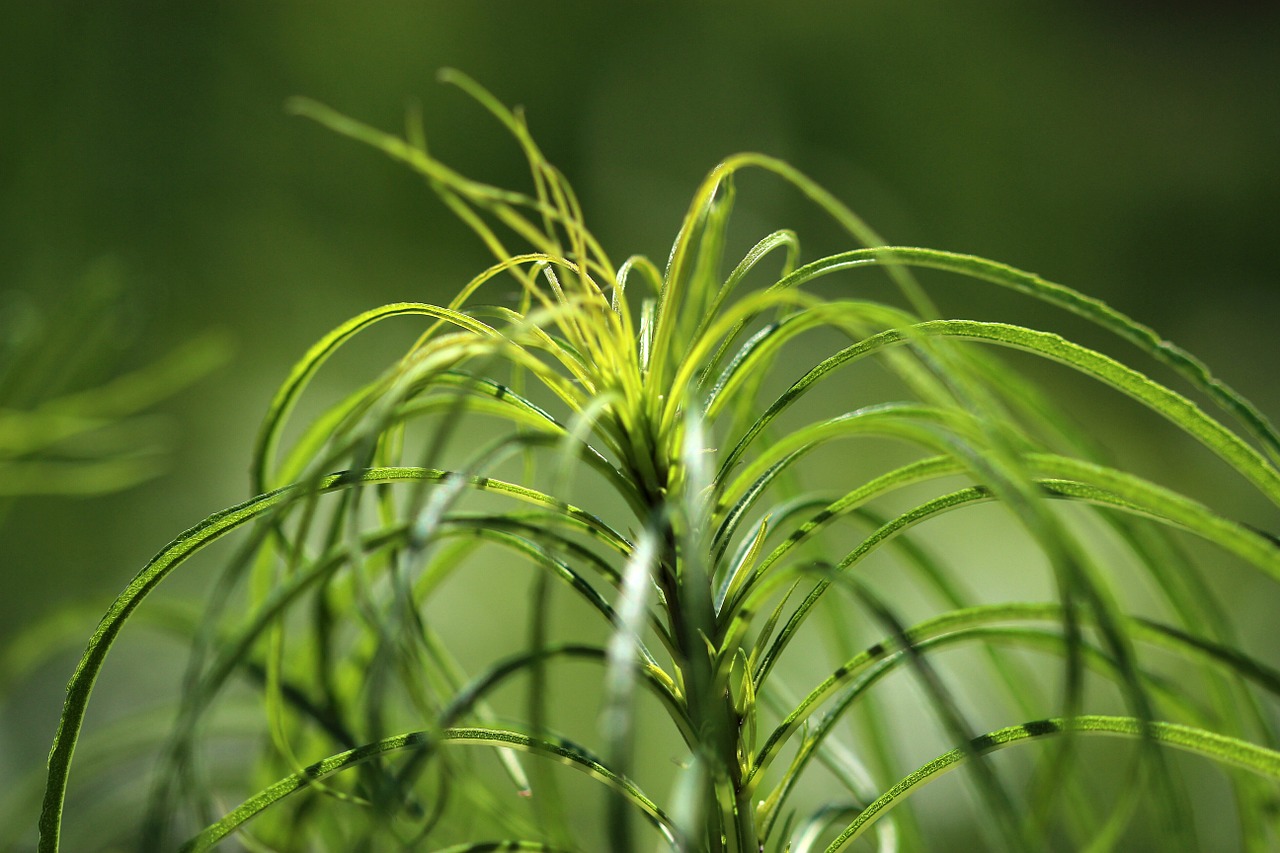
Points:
x=703, y=552
x=70, y=422
x=74, y=424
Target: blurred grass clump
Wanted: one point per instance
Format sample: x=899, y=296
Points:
x=71, y=423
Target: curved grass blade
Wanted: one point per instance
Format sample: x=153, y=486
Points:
x=868, y=668
x=986, y=624
x=555, y=750
x=999, y=803
x=1145, y=338
x=1104, y=486
x=934, y=428
x=1171, y=405
x=1225, y=750
x=1130, y=494
x=672, y=298
x=1174, y=407
x=80, y=686
x=306, y=368
x=906, y=475
x=1190, y=367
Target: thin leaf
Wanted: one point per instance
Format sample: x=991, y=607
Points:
x=1225, y=750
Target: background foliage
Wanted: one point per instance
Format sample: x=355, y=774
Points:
x=1131, y=150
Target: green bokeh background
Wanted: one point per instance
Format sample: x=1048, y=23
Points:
x=1130, y=149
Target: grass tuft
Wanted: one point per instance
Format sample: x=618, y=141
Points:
x=692, y=482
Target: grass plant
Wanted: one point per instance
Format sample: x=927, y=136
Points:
x=71, y=424
x=661, y=457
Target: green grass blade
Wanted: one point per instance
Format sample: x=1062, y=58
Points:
x=998, y=801
x=906, y=475
x=896, y=526
x=931, y=427
x=1187, y=365
x=305, y=370
x=555, y=750
x=625, y=646
x=1171, y=405
x=1190, y=367
x=1225, y=750
x=1110, y=487
x=81, y=684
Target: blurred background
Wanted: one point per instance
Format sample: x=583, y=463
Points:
x=1130, y=149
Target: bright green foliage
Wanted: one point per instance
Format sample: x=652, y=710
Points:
x=706, y=562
